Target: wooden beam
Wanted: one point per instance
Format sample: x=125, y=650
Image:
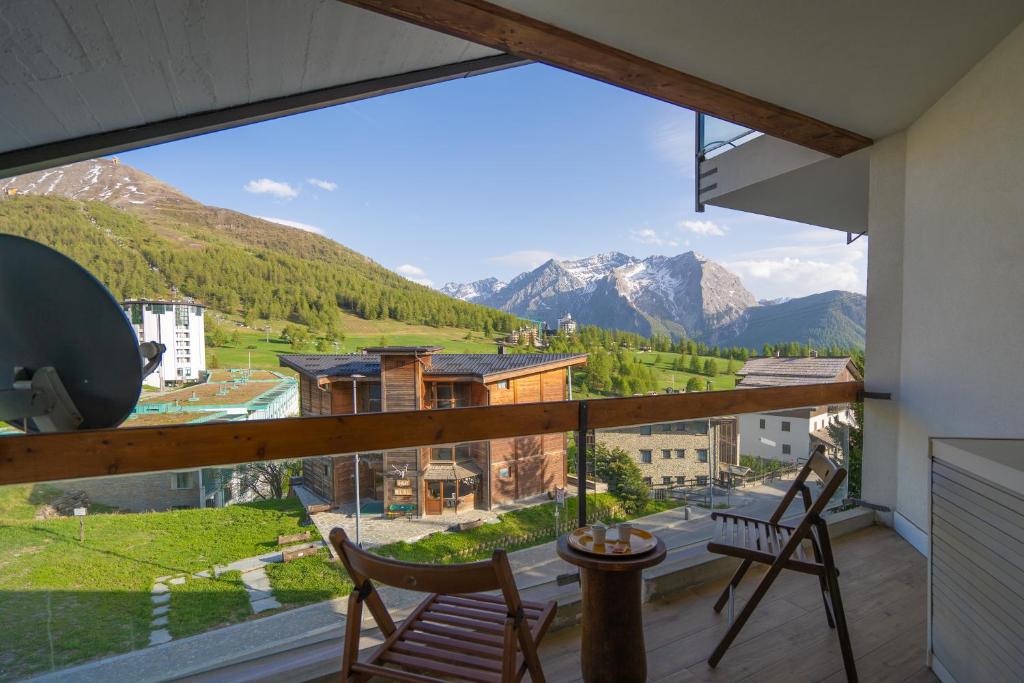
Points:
x=95, y=453
x=502, y=29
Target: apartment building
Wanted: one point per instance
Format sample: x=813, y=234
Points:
x=178, y=325
x=679, y=453
x=789, y=435
x=438, y=480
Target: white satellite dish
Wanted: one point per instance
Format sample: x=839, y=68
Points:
x=69, y=358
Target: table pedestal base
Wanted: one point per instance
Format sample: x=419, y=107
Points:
x=612, y=650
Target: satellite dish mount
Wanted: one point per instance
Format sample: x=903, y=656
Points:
x=39, y=395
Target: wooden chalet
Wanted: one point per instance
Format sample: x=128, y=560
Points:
x=439, y=479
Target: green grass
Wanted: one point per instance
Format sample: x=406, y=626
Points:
x=517, y=522
x=92, y=599
x=308, y=580
x=20, y=502
x=358, y=333
x=201, y=604
x=667, y=377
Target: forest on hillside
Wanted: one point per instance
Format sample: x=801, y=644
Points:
x=236, y=264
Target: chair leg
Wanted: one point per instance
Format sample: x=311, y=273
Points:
x=745, y=614
x=832, y=579
x=733, y=583
x=823, y=583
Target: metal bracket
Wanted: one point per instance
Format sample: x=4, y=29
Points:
x=851, y=238
x=879, y=395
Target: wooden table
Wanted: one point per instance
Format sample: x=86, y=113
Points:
x=612, y=649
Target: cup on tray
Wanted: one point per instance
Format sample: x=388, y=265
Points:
x=598, y=532
x=625, y=530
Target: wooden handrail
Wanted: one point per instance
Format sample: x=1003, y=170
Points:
x=102, y=452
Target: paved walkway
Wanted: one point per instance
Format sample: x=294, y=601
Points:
x=376, y=530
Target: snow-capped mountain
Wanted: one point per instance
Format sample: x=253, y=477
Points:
x=103, y=180
x=687, y=295
x=684, y=295
x=473, y=291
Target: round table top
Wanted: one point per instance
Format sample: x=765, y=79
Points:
x=620, y=563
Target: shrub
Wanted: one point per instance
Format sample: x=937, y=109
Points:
x=625, y=481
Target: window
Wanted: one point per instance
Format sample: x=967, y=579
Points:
x=762, y=423
x=645, y=430
x=370, y=398
x=786, y=449
x=681, y=481
x=450, y=395
x=666, y=453
x=648, y=481
x=667, y=481
x=503, y=384
x=693, y=427
x=457, y=453
x=785, y=426
x=183, y=480
x=645, y=457
x=136, y=311
x=665, y=427
x=702, y=455
x=702, y=480
x=181, y=315
x=680, y=453
x=158, y=309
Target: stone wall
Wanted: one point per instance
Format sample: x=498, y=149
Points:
x=138, y=492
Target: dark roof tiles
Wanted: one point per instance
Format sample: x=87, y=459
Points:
x=474, y=364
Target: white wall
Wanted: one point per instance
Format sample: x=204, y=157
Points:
x=961, y=310
x=797, y=437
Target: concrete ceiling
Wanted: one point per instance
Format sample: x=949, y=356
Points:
x=76, y=68
x=870, y=66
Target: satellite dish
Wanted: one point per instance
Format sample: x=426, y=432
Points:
x=69, y=357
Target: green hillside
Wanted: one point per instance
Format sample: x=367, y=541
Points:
x=822, y=320
x=234, y=263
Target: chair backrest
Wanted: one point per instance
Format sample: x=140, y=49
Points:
x=474, y=577
x=830, y=474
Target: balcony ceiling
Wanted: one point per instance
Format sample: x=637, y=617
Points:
x=870, y=66
x=71, y=71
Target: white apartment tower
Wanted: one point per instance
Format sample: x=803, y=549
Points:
x=567, y=325
x=178, y=325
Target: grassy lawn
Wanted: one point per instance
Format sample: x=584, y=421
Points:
x=308, y=580
x=515, y=523
x=667, y=377
x=201, y=604
x=64, y=602
x=358, y=333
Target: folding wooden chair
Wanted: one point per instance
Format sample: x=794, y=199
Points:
x=781, y=547
x=457, y=633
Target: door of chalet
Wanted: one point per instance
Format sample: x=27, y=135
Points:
x=433, y=500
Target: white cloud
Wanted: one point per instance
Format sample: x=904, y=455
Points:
x=526, y=260
x=414, y=273
x=328, y=185
x=703, y=228
x=816, y=265
x=268, y=186
x=408, y=270
x=649, y=236
x=293, y=224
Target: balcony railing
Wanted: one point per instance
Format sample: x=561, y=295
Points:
x=713, y=137
x=126, y=543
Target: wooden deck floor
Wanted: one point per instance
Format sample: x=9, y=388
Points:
x=883, y=584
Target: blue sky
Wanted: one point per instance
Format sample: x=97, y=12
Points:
x=494, y=174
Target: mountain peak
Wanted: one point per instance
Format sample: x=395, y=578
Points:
x=104, y=180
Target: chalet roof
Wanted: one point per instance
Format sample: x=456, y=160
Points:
x=482, y=365
x=824, y=437
x=450, y=471
x=780, y=372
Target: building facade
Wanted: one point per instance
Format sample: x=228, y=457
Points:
x=679, y=453
x=789, y=435
x=178, y=325
x=566, y=325
x=434, y=480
